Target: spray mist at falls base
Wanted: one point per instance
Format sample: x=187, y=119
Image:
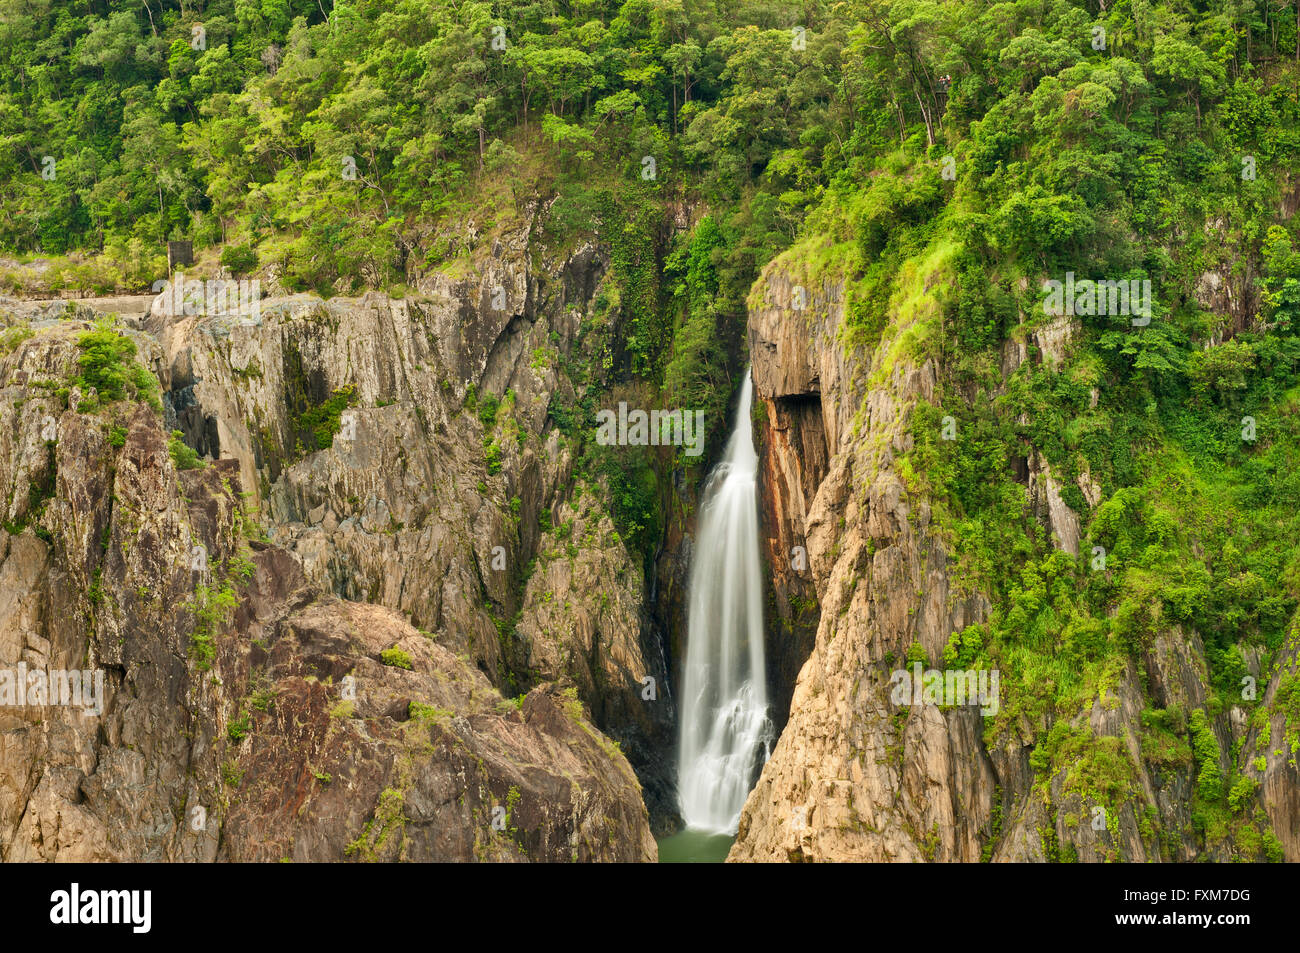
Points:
x=725, y=732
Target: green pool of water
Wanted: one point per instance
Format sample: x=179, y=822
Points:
x=694, y=847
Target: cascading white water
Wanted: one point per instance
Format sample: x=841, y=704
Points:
x=724, y=727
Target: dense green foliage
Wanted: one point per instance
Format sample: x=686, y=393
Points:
x=108, y=366
x=325, y=145
x=1166, y=156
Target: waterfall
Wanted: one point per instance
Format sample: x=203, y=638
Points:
x=724, y=727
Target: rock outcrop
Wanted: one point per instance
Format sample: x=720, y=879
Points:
x=304, y=650
x=1271, y=744
x=432, y=497
x=796, y=427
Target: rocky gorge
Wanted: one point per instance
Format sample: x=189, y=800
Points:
x=376, y=612
x=355, y=598
x=982, y=544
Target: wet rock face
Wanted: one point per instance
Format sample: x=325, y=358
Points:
x=226, y=606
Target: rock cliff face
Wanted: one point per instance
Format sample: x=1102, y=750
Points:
x=428, y=500
x=388, y=620
x=1274, y=738
x=851, y=778
x=310, y=644
x=793, y=441
x=855, y=776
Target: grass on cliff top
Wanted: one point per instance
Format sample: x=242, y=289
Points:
x=814, y=261
x=921, y=290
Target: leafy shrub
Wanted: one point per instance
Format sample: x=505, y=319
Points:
x=1241, y=793
x=183, y=455
x=418, y=711
x=1205, y=746
x=211, y=608
x=488, y=404
x=238, y=729
x=108, y=365
x=322, y=423
x=1223, y=370
x=10, y=338
x=240, y=259
x=396, y=658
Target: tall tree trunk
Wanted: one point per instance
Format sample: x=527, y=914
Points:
x=925, y=114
